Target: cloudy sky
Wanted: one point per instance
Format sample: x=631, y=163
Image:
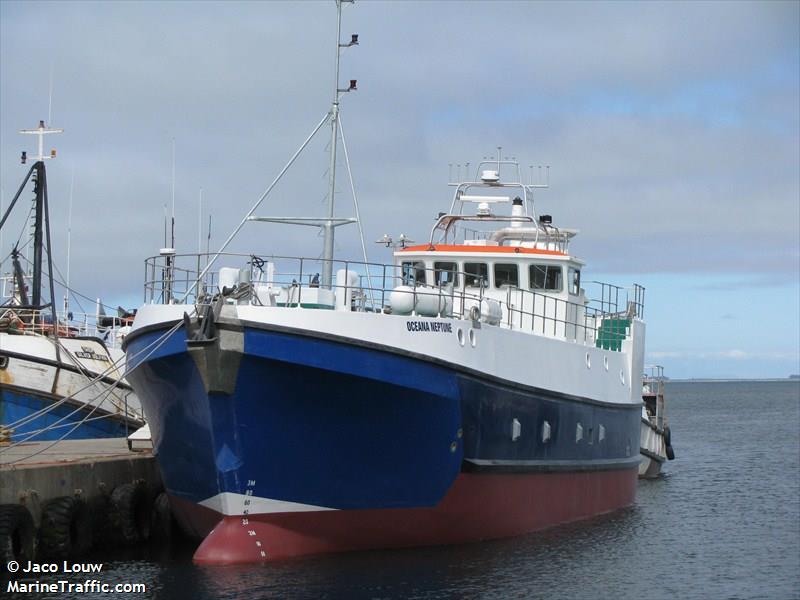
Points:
x=672, y=131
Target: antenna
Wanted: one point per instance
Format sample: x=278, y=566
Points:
x=200, y=224
x=69, y=238
x=50, y=101
x=172, y=237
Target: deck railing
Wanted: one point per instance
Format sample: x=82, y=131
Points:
x=366, y=287
x=28, y=321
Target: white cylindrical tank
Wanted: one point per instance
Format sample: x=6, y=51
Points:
x=491, y=311
x=402, y=300
x=425, y=300
x=487, y=311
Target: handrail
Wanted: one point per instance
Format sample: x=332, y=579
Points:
x=37, y=322
x=292, y=278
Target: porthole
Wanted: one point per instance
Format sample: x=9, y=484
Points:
x=605, y=363
x=545, y=431
x=601, y=434
x=622, y=377
x=472, y=338
x=588, y=361
x=460, y=335
x=578, y=433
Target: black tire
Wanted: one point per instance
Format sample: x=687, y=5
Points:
x=667, y=436
x=17, y=534
x=66, y=529
x=670, y=453
x=130, y=514
x=102, y=531
x=163, y=527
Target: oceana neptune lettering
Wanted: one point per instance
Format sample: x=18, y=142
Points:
x=429, y=326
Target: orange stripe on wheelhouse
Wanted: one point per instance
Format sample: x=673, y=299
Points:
x=489, y=249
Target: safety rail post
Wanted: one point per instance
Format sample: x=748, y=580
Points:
x=509, y=310
x=383, y=288
x=439, y=299
x=300, y=285
x=346, y=280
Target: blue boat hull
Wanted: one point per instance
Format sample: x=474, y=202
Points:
x=330, y=424
x=66, y=421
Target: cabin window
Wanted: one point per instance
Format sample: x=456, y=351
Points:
x=413, y=273
x=545, y=277
x=574, y=282
x=476, y=274
x=505, y=274
x=445, y=273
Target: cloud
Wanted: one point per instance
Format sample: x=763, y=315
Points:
x=671, y=129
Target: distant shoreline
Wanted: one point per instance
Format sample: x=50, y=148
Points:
x=733, y=380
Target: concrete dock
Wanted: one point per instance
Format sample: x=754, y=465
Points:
x=45, y=470
x=68, y=480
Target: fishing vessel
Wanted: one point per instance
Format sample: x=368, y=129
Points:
x=469, y=389
x=61, y=375
x=656, y=441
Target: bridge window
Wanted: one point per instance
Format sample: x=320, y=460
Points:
x=445, y=273
x=574, y=281
x=414, y=273
x=505, y=274
x=476, y=274
x=545, y=277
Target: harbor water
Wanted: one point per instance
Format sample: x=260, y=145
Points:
x=722, y=522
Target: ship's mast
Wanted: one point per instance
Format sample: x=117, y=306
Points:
x=328, y=223
x=329, y=226
x=41, y=216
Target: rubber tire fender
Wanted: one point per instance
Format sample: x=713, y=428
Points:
x=670, y=453
x=17, y=534
x=130, y=512
x=163, y=526
x=66, y=529
x=667, y=436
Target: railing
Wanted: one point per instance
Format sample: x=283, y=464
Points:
x=653, y=381
x=28, y=321
x=293, y=282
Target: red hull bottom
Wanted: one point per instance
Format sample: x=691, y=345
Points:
x=477, y=507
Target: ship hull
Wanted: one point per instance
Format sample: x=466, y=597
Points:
x=68, y=421
x=320, y=445
x=477, y=507
x=653, y=450
x=73, y=392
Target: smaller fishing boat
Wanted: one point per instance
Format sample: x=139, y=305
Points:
x=656, y=443
x=61, y=375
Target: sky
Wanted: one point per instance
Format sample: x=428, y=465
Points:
x=671, y=129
